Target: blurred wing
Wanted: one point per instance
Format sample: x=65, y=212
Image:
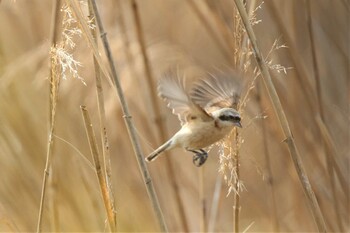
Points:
x=172, y=89
x=213, y=92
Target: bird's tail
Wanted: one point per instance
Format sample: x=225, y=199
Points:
x=158, y=151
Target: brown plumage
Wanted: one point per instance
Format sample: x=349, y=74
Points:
x=206, y=113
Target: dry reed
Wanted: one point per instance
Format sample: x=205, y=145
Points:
x=103, y=127
x=283, y=122
x=131, y=128
x=173, y=33
x=54, y=91
x=105, y=189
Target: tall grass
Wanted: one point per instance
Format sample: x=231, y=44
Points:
x=190, y=34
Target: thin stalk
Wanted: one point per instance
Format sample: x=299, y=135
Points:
x=156, y=109
x=329, y=164
x=130, y=126
x=54, y=213
x=236, y=201
x=314, y=206
x=236, y=213
x=102, y=117
x=54, y=87
x=99, y=172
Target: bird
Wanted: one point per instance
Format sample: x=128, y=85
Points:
x=207, y=112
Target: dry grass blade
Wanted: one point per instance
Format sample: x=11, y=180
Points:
x=102, y=117
x=317, y=214
x=54, y=85
x=101, y=178
x=131, y=128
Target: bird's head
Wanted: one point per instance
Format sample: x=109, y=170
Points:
x=227, y=117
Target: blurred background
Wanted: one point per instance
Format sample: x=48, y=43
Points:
x=197, y=35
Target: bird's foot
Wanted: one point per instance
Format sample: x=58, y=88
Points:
x=199, y=157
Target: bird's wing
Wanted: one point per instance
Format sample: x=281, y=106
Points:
x=171, y=88
x=213, y=92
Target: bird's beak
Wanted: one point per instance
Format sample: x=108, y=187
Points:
x=238, y=124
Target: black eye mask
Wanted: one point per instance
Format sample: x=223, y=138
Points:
x=230, y=118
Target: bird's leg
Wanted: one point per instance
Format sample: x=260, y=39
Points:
x=199, y=157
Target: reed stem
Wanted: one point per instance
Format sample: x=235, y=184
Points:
x=103, y=128
x=293, y=150
x=129, y=124
x=53, y=89
x=108, y=203
x=236, y=203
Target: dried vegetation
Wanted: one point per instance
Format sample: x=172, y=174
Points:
x=248, y=183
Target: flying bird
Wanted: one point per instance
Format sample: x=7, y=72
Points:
x=207, y=112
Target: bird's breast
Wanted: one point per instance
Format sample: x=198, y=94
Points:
x=201, y=134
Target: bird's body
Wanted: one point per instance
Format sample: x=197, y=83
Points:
x=204, y=120
x=198, y=135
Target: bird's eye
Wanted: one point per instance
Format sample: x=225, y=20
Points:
x=236, y=118
x=229, y=118
x=223, y=118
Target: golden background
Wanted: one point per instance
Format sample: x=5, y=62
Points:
x=186, y=33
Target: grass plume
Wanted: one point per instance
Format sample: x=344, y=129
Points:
x=54, y=91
